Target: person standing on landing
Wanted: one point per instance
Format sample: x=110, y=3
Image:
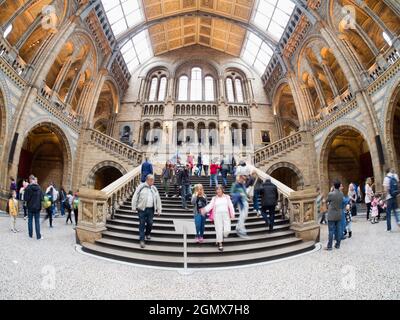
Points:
x=391, y=187
x=147, y=168
x=147, y=202
x=206, y=163
x=369, y=195
x=335, y=210
x=25, y=184
x=221, y=212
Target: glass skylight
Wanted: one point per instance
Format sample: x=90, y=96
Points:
x=123, y=14
x=273, y=16
x=256, y=53
x=137, y=50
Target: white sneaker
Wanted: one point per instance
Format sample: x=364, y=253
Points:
x=41, y=238
x=25, y=218
x=12, y=230
x=388, y=230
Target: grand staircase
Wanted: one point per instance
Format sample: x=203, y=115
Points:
x=121, y=239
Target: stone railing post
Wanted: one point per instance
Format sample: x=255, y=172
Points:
x=303, y=214
x=92, y=215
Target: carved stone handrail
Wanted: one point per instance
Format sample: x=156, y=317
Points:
x=298, y=206
x=96, y=206
x=114, y=146
x=277, y=147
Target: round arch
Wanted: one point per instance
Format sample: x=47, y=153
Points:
x=291, y=174
x=55, y=130
x=347, y=165
x=101, y=167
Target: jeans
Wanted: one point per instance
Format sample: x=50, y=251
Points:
x=224, y=175
x=256, y=198
x=391, y=206
x=243, y=212
x=335, y=230
x=49, y=215
x=213, y=178
x=205, y=169
x=36, y=215
x=200, y=168
x=76, y=216
x=343, y=224
x=185, y=192
x=368, y=209
x=268, y=213
x=62, y=208
x=166, y=182
x=200, y=223
x=145, y=222
x=25, y=211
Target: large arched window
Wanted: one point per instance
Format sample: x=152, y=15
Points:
x=239, y=90
x=196, y=85
x=183, y=88
x=7, y=31
x=153, y=89
x=209, y=88
x=163, y=89
x=229, y=90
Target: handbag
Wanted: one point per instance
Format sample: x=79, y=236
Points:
x=211, y=215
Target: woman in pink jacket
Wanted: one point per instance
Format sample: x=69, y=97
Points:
x=221, y=212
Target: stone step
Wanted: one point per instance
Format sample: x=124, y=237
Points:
x=222, y=259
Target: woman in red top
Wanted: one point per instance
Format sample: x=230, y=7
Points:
x=214, y=173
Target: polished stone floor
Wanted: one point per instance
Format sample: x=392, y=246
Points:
x=366, y=267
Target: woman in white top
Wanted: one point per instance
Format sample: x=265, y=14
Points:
x=221, y=212
x=369, y=194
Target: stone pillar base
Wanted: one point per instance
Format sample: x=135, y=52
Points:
x=87, y=234
x=307, y=232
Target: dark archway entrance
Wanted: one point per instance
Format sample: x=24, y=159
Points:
x=105, y=176
x=43, y=155
x=349, y=158
x=288, y=177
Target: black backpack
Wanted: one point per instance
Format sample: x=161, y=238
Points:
x=394, y=187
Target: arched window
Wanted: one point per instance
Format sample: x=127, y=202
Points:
x=163, y=89
x=229, y=90
x=183, y=88
x=196, y=88
x=209, y=88
x=239, y=90
x=387, y=39
x=7, y=31
x=153, y=89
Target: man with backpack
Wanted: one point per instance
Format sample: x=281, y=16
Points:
x=391, y=185
x=33, y=197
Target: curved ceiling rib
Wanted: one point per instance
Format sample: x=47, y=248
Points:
x=125, y=36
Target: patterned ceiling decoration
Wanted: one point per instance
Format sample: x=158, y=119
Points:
x=185, y=31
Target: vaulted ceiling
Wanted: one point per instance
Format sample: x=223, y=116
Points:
x=224, y=25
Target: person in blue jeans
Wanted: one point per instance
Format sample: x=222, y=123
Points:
x=391, y=186
x=33, y=197
x=147, y=202
x=335, y=211
x=199, y=201
x=184, y=182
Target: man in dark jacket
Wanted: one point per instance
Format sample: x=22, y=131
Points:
x=269, y=200
x=335, y=209
x=184, y=182
x=33, y=196
x=147, y=168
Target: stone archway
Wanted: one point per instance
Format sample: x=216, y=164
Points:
x=345, y=156
x=45, y=153
x=288, y=174
x=392, y=129
x=103, y=174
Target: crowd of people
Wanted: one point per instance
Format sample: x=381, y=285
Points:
x=220, y=209
x=337, y=209
x=31, y=200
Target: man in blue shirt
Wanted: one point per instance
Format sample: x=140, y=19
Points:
x=147, y=168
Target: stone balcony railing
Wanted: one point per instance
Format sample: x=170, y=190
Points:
x=196, y=109
x=238, y=110
x=115, y=147
x=153, y=109
x=10, y=55
x=278, y=147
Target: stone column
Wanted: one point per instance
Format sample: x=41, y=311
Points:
x=92, y=215
x=62, y=74
x=303, y=214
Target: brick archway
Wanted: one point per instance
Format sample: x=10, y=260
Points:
x=91, y=178
x=291, y=168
